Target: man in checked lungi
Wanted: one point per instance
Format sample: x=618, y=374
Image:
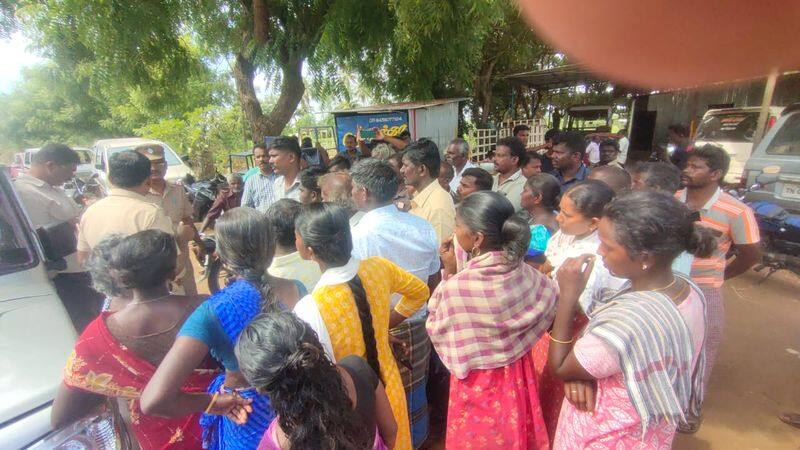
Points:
x=411, y=243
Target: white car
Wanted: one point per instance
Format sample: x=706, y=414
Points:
x=733, y=130
x=103, y=149
x=37, y=337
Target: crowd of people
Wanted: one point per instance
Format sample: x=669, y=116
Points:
x=397, y=295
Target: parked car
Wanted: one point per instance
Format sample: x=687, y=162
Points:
x=780, y=147
x=38, y=336
x=103, y=149
x=733, y=130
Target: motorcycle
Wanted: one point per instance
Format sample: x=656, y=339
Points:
x=86, y=192
x=214, y=271
x=202, y=195
x=780, y=230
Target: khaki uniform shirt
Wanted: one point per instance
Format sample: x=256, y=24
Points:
x=47, y=205
x=435, y=205
x=173, y=201
x=512, y=188
x=122, y=212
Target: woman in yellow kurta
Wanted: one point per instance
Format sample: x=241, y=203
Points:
x=350, y=307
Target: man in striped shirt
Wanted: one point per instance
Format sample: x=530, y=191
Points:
x=259, y=189
x=705, y=169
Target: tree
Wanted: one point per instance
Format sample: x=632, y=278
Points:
x=208, y=135
x=414, y=49
x=510, y=47
x=146, y=44
x=48, y=105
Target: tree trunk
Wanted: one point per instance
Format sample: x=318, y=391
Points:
x=292, y=89
x=483, y=93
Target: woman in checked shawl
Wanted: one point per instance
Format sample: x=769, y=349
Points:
x=636, y=369
x=484, y=318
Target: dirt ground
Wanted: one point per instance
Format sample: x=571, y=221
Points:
x=757, y=375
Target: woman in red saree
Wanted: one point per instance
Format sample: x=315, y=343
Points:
x=118, y=352
x=483, y=321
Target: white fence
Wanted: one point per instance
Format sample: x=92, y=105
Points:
x=483, y=140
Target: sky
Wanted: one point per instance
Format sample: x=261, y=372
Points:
x=15, y=56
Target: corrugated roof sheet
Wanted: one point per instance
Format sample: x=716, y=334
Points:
x=558, y=77
x=400, y=106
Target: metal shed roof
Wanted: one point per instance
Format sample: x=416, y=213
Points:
x=555, y=78
x=400, y=106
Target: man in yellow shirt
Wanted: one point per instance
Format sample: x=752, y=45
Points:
x=421, y=162
x=173, y=200
x=126, y=210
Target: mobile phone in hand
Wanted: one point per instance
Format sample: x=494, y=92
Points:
x=368, y=134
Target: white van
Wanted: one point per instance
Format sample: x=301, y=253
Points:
x=733, y=130
x=103, y=149
x=36, y=336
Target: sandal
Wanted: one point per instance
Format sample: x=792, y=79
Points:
x=792, y=419
x=691, y=426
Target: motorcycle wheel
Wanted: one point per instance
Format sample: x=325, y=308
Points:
x=218, y=276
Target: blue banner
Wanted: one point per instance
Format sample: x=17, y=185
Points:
x=390, y=124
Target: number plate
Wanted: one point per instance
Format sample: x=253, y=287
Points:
x=791, y=191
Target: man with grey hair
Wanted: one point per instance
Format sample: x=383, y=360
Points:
x=337, y=187
x=457, y=154
x=227, y=199
x=410, y=242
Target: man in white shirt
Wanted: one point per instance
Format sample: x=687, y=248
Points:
x=623, y=146
x=410, y=242
x=509, y=158
x=259, y=188
x=285, y=157
x=46, y=203
x=457, y=154
x=287, y=262
x=593, y=150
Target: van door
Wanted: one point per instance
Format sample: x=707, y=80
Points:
x=37, y=334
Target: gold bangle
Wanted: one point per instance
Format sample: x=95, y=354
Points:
x=559, y=341
x=213, y=399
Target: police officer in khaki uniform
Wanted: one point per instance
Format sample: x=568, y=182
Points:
x=173, y=199
x=126, y=210
x=47, y=204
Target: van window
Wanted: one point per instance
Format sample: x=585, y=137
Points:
x=16, y=251
x=85, y=156
x=787, y=139
x=728, y=127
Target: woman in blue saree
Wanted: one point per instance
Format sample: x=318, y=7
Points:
x=246, y=245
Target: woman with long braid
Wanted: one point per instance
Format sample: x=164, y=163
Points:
x=349, y=308
x=246, y=244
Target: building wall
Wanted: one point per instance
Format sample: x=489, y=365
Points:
x=438, y=123
x=690, y=105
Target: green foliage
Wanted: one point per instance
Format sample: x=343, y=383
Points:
x=409, y=49
x=49, y=105
x=208, y=135
x=154, y=66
